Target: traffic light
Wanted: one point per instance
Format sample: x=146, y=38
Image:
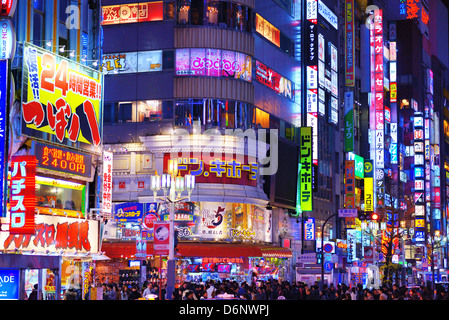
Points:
x=372, y=216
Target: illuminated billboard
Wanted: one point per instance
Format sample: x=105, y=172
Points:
x=268, y=31
x=133, y=12
x=61, y=100
x=213, y=63
x=131, y=62
x=305, y=174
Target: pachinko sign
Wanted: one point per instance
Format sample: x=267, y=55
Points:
x=61, y=100
x=22, y=196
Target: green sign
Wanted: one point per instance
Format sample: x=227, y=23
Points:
x=305, y=173
x=359, y=166
x=349, y=121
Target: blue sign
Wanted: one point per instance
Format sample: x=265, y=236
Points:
x=129, y=212
x=309, y=229
x=3, y=142
x=9, y=284
x=328, y=266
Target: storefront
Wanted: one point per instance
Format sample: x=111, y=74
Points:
x=216, y=241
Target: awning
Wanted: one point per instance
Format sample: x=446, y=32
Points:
x=219, y=250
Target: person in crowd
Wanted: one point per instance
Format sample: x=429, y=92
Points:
x=135, y=294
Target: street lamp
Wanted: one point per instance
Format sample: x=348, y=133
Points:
x=173, y=185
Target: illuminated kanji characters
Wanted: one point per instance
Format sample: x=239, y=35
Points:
x=92, y=89
x=84, y=235
x=73, y=80
x=86, y=87
x=61, y=238
x=72, y=236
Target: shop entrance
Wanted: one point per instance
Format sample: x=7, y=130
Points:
x=34, y=272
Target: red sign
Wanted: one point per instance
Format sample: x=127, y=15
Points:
x=161, y=242
x=207, y=169
x=8, y=7
x=349, y=184
x=22, y=197
x=135, y=12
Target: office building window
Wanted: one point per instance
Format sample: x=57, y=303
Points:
x=38, y=23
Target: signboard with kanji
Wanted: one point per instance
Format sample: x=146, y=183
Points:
x=61, y=100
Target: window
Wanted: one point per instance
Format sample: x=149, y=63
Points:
x=214, y=13
x=38, y=23
x=60, y=194
x=137, y=111
x=213, y=113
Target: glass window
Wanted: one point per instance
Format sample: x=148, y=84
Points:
x=110, y=112
x=149, y=110
x=212, y=9
x=196, y=12
x=38, y=29
x=183, y=11
x=60, y=194
x=39, y=5
x=125, y=110
x=167, y=109
x=263, y=119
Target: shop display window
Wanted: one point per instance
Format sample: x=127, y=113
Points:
x=60, y=194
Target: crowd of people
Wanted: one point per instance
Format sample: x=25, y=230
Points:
x=276, y=290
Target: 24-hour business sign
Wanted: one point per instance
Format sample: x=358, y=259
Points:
x=61, y=100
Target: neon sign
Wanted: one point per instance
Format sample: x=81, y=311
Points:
x=134, y=12
x=62, y=160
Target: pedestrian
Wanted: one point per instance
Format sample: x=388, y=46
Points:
x=148, y=289
x=260, y=294
x=34, y=294
x=210, y=290
x=111, y=293
x=135, y=294
x=124, y=293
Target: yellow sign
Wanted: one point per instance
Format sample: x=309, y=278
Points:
x=61, y=100
x=369, y=194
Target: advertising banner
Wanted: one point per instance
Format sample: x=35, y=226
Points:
x=61, y=100
x=268, y=31
x=63, y=160
x=23, y=192
x=209, y=169
x=213, y=63
x=349, y=184
x=273, y=80
x=349, y=121
x=133, y=12
x=129, y=212
x=131, y=62
x=10, y=280
x=349, y=47
x=107, y=182
x=8, y=39
x=161, y=238
x=309, y=229
x=306, y=168
x=3, y=129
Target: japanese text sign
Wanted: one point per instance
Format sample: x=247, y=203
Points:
x=130, y=13
x=349, y=184
x=55, y=233
x=3, y=143
x=61, y=100
x=63, y=160
x=209, y=169
x=107, y=182
x=306, y=168
x=22, y=197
